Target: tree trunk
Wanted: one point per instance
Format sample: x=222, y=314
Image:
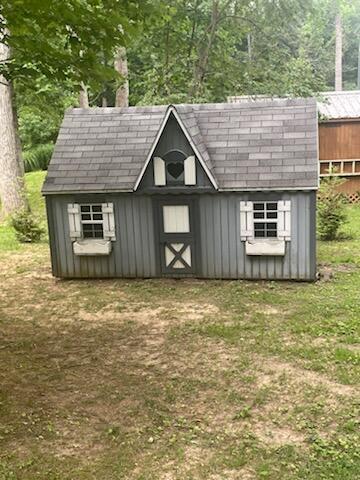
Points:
x=249, y=46
x=204, y=51
x=83, y=96
x=338, y=52
x=358, y=68
x=11, y=164
x=121, y=66
x=193, y=33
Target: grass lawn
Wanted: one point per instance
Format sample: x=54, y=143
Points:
x=178, y=380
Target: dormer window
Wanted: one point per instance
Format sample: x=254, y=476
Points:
x=174, y=169
x=174, y=166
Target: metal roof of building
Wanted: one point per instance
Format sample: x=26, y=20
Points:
x=246, y=146
x=331, y=105
x=337, y=105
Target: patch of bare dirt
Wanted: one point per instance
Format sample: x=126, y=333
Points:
x=241, y=474
x=194, y=457
x=77, y=441
x=274, y=369
x=276, y=436
x=355, y=348
x=327, y=272
x=160, y=317
x=269, y=310
x=320, y=341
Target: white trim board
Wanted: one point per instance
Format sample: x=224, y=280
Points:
x=172, y=110
x=224, y=190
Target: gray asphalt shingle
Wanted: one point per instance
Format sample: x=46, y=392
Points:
x=255, y=145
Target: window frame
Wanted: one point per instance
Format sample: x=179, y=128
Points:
x=266, y=220
x=91, y=221
x=284, y=221
x=170, y=180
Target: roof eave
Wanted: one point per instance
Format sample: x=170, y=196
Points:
x=339, y=119
x=220, y=190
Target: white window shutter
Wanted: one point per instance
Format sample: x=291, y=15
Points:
x=190, y=171
x=109, y=221
x=74, y=220
x=246, y=220
x=284, y=219
x=159, y=172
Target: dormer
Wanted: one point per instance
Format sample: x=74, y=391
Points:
x=178, y=159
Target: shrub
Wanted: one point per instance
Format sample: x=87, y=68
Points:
x=37, y=126
x=27, y=227
x=38, y=158
x=331, y=208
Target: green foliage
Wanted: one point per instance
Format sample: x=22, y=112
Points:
x=331, y=208
x=65, y=40
x=203, y=51
x=38, y=158
x=37, y=127
x=27, y=227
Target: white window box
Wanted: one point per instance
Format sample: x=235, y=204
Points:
x=265, y=247
x=92, y=247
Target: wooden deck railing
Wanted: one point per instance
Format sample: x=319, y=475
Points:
x=344, y=167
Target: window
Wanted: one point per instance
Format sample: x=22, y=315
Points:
x=176, y=218
x=174, y=162
x=265, y=217
x=265, y=220
x=92, y=221
x=174, y=169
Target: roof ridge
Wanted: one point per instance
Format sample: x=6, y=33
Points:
x=192, y=107
x=340, y=92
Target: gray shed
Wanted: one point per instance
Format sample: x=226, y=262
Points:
x=209, y=191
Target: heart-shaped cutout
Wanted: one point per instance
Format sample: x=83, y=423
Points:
x=175, y=169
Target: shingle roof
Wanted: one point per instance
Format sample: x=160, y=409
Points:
x=188, y=116
x=337, y=105
x=247, y=146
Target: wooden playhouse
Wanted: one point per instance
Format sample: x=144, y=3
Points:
x=209, y=191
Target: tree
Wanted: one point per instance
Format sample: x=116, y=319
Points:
x=56, y=40
x=358, y=67
x=83, y=96
x=338, y=50
x=11, y=167
x=198, y=50
x=121, y=66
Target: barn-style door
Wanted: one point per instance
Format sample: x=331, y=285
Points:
x=176, y=223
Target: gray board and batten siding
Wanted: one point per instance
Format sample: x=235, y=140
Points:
x=220, y=249
x=244, y=153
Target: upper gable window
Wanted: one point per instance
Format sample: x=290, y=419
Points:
x=174, y=169
x=174, y=166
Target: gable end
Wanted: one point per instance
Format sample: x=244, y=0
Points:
x=189, y=174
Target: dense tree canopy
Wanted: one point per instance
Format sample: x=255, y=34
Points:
x=65, y=39
x=48, y=49
x=208, y=49
x=178, y=51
